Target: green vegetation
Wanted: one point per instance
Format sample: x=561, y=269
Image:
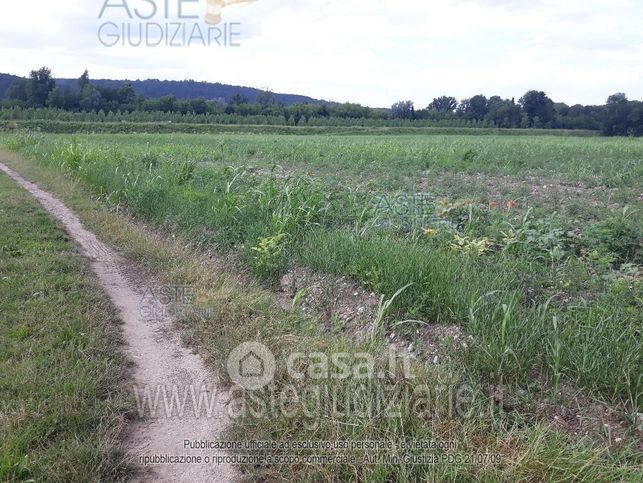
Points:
x=531, y=245
x=535, y=110
x=63, y=398
x=142, y=123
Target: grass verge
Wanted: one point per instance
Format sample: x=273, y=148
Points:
x=63, y=397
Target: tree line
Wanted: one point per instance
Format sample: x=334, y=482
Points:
x=618, y=117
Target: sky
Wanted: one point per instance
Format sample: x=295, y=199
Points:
x=374, y=52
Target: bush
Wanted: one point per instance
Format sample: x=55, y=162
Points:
x=618, y=235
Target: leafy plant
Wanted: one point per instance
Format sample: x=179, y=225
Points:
x=620, y=235
x=268, y=259
x=464, y=244
x=185, y=172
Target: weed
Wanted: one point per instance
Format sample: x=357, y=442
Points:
x=379, y=328
x=268, y=260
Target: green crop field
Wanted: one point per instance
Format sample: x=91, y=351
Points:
x=531, y=246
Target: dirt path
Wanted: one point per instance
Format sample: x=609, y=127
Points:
x=164, y=367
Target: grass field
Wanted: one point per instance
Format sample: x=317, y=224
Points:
x=90, y=125
x=532, y=246
x=63, y=398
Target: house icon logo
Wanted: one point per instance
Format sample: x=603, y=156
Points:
x=251, y=365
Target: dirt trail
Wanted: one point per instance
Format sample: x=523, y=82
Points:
x=163, y=365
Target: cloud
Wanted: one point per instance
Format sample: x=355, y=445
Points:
x=370, y=51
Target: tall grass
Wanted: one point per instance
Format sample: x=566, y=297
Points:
x=272, y=218
x=502, y=299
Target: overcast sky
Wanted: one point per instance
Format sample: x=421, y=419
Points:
x=370, y=51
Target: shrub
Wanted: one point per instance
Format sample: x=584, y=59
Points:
x=618, y=235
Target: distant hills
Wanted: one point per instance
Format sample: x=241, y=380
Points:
x=5, y=82
x=154, y=88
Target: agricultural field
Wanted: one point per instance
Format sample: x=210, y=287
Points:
x=507, y=265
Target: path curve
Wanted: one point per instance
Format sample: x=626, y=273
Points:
x=164, y=367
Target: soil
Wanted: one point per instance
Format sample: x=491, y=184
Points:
x=346, y=306
x=342, y=304
x=499, y=187
x=572, y=412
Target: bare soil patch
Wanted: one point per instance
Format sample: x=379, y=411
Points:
x=346, y=306
x=536, y=188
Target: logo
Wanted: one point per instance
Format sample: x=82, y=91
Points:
x=163, y=303
x=214, y=9
x=167, y=23
x=251, y=365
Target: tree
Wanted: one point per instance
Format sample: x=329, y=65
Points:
x=38, y=87
x=127, y=96
x=238, y=99
x=167, y=103
x=17, y=91
x=474, y=108
x=323, y=111
x=635, y=119
x=623, y=117
x=503, y=112
x=617, y=98
x=266, y=98
x=90, y=98
x=478, y=107
x=444, y=104
x=56, y=99
x=352, y=110
x=582, y=117
x=538, y=107
x=403, y=110
x=199, y=105
x=83, y=80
